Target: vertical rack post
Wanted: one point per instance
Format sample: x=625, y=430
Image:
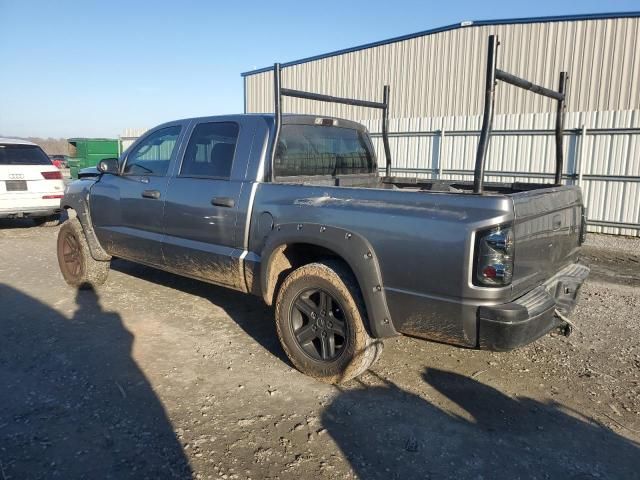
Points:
x=562, y=89
x=385, y=129
x=487, y=117
x=277, y=97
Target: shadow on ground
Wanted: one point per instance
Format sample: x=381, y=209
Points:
x=386, y=432
x=248, y=311
x=73, y=403
x=24, y=223
x=11, y=223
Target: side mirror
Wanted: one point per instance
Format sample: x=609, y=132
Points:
x=109, y=165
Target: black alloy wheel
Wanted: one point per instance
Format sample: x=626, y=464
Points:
x=317, y=321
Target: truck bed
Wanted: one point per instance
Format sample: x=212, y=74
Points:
x=416, y=184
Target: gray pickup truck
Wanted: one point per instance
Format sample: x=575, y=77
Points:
x=292, y=208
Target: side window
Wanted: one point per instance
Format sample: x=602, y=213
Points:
x=153, y=154
x=308, y=150
x=210, y=150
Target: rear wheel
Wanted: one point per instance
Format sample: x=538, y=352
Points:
x=320, y=317
x=78, y=267
x=48, y=221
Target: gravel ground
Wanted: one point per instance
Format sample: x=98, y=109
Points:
x=614, y=242
x=156, y=376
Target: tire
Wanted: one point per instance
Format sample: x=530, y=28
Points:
x=48, y=221
x=320, y=319
x=78, y=267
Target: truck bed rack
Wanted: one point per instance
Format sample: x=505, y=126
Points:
x=280, y=92
x=493, y=74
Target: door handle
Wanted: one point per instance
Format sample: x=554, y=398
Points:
x=155, y=194
x=223, y=202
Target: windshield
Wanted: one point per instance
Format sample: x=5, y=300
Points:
x=22, y=155
x=309, y=150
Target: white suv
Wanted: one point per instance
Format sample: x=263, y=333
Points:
x=30, y=185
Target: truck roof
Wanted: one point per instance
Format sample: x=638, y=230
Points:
x=287, y=119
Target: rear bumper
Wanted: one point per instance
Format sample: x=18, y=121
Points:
x=517, y=323
x=21, y=212
x=29, y=204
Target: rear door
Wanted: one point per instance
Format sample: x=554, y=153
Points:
x=547, y=233
x=127, y=210
x=203, y=232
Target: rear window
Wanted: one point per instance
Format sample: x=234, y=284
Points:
x=310, y=150
x=22, y=155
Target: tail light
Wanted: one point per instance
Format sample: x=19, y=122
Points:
x=52, y=175
x=51, y=197
x=494, y=257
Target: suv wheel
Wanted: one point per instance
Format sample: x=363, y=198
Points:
x=78, y=267
x=320, y=317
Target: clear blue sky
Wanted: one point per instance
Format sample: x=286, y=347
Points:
x=92, y=68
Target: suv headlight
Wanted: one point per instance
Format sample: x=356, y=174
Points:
x=494, y=257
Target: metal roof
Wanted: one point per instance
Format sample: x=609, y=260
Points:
x=90, y=139
x=464, y=24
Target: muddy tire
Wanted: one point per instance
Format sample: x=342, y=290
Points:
x=48, y=221
x=320, y=318
x=78, y=267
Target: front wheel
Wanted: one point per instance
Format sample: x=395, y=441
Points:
x=78, y=267
x=320, y=318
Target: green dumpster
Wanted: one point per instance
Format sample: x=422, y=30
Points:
x=87, y=152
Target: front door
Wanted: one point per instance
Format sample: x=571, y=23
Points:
x=203, y=235
x=127, y=210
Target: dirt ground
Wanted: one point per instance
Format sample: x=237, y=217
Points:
x=156, y=376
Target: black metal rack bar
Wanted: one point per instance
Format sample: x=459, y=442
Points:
x=287, y=92
x=277, y=113
x=280, y=92
x=385, y=129
x=562, y=90
x=494, y=74
x=527, y=85
x=487, y=116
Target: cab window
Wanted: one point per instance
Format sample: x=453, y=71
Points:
x=153, y=154
x=211, y=150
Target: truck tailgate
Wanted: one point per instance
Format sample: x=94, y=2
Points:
x=547, y=228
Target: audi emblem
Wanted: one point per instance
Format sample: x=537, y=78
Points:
x=16, y=176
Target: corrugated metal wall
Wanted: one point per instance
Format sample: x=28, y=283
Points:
x=602, y=155
x=130, y=135
x=443, y=73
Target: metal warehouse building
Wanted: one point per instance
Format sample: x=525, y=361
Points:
x=437, y=90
